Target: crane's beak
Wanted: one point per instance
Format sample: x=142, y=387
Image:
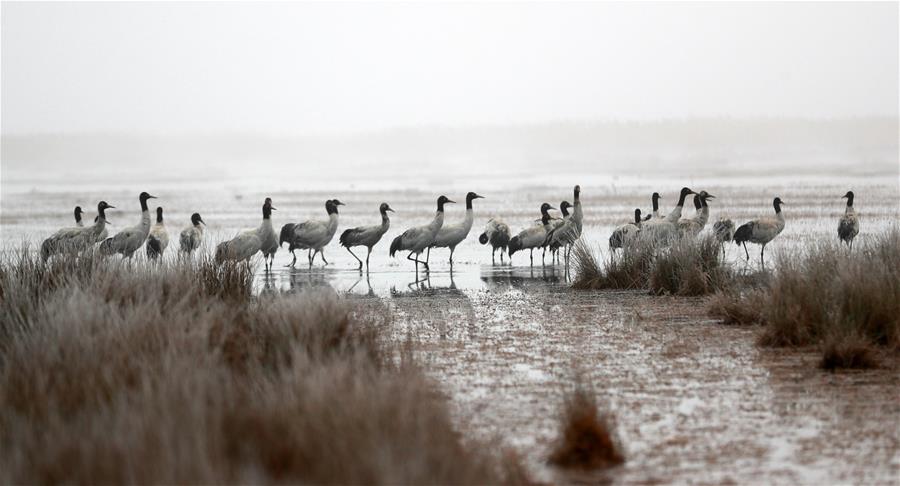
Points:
x=338, y=203
x=203, y=222
x=478, y=196
x=449, y=201
x=710, y=196
x=844, y=196
x=389, y=209
x=152, y=197
x=110, y=207
x=273, y=208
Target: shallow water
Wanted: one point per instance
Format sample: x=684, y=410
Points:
x=693, y=400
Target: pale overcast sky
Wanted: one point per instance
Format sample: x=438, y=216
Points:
x=312, y=68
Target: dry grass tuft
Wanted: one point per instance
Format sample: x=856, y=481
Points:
x=851, y=351
x=846, y=303
x=627, y=269
x=115, y=372
x=689, y=266
x=586, y=439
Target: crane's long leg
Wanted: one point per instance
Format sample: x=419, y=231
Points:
x=451, y=254
x=367, y=258
x=493, y=255
x=543, y=255
x=745, y=250
x=293, y=252
x=851, y=244
x=501, y=256
x=428, y=255
x=354, y=256
x=322, y=252
x=310, y=255
x=531, y=256
x=762, y=255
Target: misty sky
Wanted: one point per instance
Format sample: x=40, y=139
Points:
x=313, y=68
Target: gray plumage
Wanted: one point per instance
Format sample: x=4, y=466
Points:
x=496, y=232
x=158, y=239
x=367, y=236
x=129, y=240
x=848, y=226
x=192, y=236
x=76, y=239
x=761, y=231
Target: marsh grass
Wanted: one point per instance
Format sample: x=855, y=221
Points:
x=118, y=372
x=846, y=303
x=586, y=437
x=689, y=266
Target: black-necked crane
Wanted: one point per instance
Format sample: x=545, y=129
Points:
x=625, y=233
x=158, y=239
x=533, y=237
x=416, y=240
x=496, y=232
x=78, y=213
x=694, y=225
x=554, y=225
x=76, y=239
x=129, y=240
x=367, y=236
x=251, y=241
x=761, y=231
x=451, y=235
x=562, y=236
x=192, y=236
x=848, y=226
x=654, y=200
x=723, y=229
x=663, y=230
x=312, y=235
x=577, y=212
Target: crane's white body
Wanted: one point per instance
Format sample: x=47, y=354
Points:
x=314, y=235
x=367, y=236
x=190, y=238
x=129, y=240
x=73, y=240
x=157, y=240
x=416, y=240
x=451, y=235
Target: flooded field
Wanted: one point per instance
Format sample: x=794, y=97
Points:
x=693, y=400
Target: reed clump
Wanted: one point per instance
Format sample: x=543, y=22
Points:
x=586, y=437
x=114, y=372
x=688, y=266
x=846, y=303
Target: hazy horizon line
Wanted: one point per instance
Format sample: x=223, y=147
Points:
x=586, y=122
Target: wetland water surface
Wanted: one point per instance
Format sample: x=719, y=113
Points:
x=693, y=400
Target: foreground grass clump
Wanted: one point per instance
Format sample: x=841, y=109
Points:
x=115, y=372
x=847, y=303
x=586, y=438
x=689, y=266
x=626, y=270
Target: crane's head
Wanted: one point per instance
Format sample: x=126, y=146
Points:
x=443, y=200
x=385, y=208
x=849, y=195
x=196, y=219
x=777, y=203
x=546, y=207
x=78, y=212
x=144, y=197
x=637, y=216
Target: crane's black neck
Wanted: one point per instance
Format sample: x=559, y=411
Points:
x=697, y=201
x=545, y=218
x=777, y=205
x=564, y=209
x=267, y=211
x=144, y=204
x=469, y=199
x=850, y=200
x=682, y=197
x=655, y=202
x=78, y=214
x=159, y=216
x=101, y=212
x=637, y=216
x=384, y=214
x=703, y=202
x=331, y=208
x=440, y=205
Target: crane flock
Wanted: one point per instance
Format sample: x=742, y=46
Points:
x=547, y=233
